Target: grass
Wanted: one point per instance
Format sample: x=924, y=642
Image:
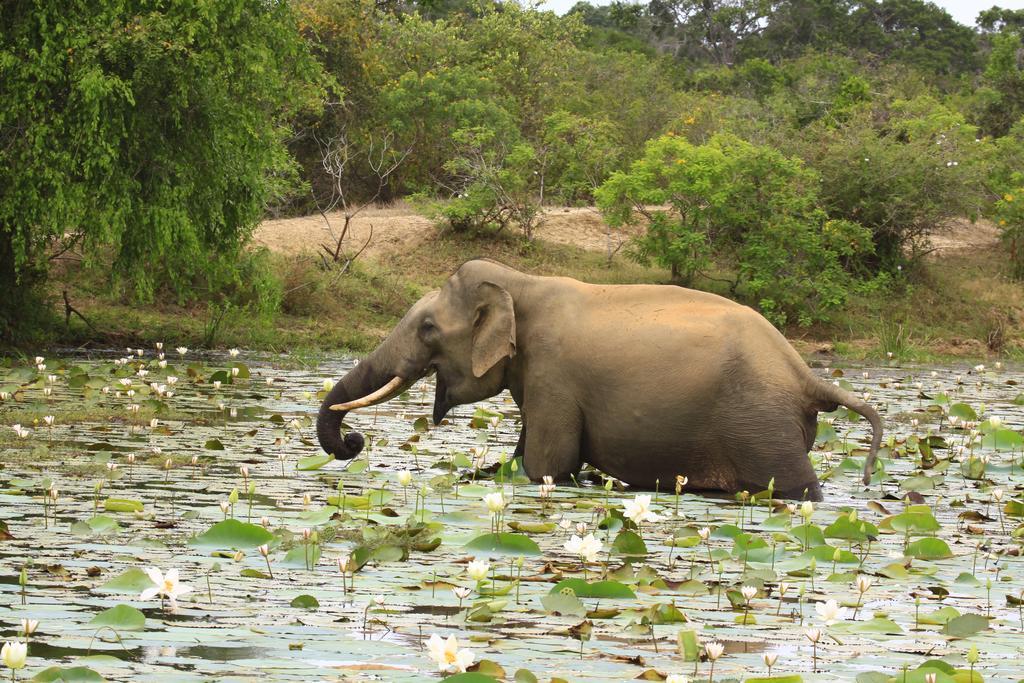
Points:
x=955, y=306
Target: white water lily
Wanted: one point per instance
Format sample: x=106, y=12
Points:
x=830, y=612
x=477, y=569
x=182, y=350
x=29, y=626
x=639, y=509
x=586, y=547
x=806, y=509
x=864, y=583
x=447, y=654
x=22, y=432
x=14, y=654
x=547, y=486
x=676, y=678
x=813, y=634
x=748, y=592
x=704, y=533
x=714, y=650
x=405, y=477
x=164, y=585
x=461, y=592
x=495, y=502
x=234, y=353
x=769, y=658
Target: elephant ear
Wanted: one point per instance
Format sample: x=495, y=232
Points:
x=494, y=327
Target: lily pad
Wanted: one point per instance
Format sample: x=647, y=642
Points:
x=120, y=618
x=965, y=626
x=504, y=544
x=232, y=533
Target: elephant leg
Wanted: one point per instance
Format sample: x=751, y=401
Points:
x=521, y=444
x=551, y=445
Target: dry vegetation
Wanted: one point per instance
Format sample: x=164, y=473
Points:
x=960, y=302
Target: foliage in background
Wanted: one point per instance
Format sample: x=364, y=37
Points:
x=152, y=135
x=146, y=135
x=745, y=208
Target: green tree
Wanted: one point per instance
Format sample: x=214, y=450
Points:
x=901, y=172
x=1001, y=95
x=996, y=19
x=1009, y=213
x=148, y=132
x=745, y=209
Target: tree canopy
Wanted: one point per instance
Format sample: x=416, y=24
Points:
x=148, y=133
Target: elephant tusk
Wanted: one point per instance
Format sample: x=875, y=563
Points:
x=378, y=396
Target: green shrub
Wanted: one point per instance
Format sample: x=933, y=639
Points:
x=1009, y=213
x=743, y=206
x=901, y=176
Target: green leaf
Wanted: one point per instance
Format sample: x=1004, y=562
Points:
x=965, y=626
x=524, y=676
x=628, y=543
x=99, y=525
x=122, y=505
x=1002, y=440
x=963, y=411
x=231, y=533
x=504, y=544
x=808, y=535
x=300, y=557
x=471, y=677
x=565, y=602
x=314, y=462
x=213, y=445
x=928, y=549
x=921, y=482
x=132, y=580
x=121, y=618
x=71, y=674
x=311, y=518
x=915, y=521
x=688, y=647
x=305, y=602
x=254, y=574
x=876, y=625
x=595, y=589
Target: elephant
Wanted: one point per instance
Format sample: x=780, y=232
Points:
x=644, y=382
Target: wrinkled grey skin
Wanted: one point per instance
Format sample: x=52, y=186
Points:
x=644, y=382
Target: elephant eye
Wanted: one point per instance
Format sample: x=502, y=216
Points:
x=427, y=328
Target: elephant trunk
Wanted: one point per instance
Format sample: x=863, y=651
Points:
x=352, y=386
x=382, y=375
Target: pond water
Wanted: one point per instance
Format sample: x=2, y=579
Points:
x=938, y=536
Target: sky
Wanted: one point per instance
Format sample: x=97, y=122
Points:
x=963, y=11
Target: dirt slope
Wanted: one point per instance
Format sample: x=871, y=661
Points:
x=399, y=228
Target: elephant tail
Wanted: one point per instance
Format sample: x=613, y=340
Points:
x=832, y=395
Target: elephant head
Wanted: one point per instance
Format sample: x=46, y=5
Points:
x=464, y=332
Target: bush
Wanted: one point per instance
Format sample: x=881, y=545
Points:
x=495, y=181
x=1009, y=213
x=901, y=173
x=745, y=207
